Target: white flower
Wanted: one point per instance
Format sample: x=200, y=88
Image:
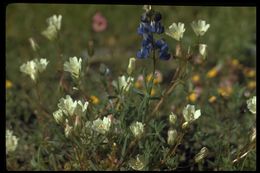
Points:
x=58, y=116
x=131, y=65
x=33, y=67
x=29, y=68
x=50, y=33
x=172, y=134
x=33, y=44
x=200, y=27
x=54, y=24
x=137, y=129
x=251, y=104
x=73, y=66
x=123, y=83
x=201, y=155
x=67, y=105
x=172, y=118
x=102, y=126
x=203, y=50
x=190, y=114
x=42, y=64
x=176, y=31
x=138, y=163
x=11, y=141
x=81, y=108
x=55, y=21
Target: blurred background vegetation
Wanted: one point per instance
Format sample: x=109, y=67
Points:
x=232, y=34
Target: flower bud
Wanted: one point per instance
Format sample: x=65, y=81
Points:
x=172, y=118
x=201, y=155
x=131, y=66
x=172, y=134
x=68, y=129
x=203, y=50
x=185, y=125
x=77, y=123
x=253, y=135
x=33, y=44
x=58, y=116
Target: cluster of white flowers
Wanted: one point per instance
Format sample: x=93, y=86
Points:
x=137, y=129
x=251, y=104
x=11, y=141
x=73, y=66
x=54, y=25
x=69, y=109
x=176, y=30
x=102, y=126
x=34, y=67
x=123, y=83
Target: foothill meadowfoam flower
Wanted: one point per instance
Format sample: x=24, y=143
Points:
x=54, y=25
x=137, y=163
x=190, y=114
x=251, y=104
x=73, y=66
x=137, y=129
x=11, y=141
x=34, y=67
x=172, y=118
x=176, y=31
x=200, y=27
x=172, y=134
x=123, y=83
x=102, y=126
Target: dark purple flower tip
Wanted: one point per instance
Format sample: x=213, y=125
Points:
x=145, y=18
x=157, y=16
x=143, y=53
x=164, y=56
x=143, y=28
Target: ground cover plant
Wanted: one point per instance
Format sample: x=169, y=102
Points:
x=158, y=88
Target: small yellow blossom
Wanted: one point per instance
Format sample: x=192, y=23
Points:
x=193, y=97
x=225, y=91
x=8, y=84
x=195, y=78
x=251, y=84
x=250, y=73
x=153, y=92
x=157, y=78
x=94, y=100
x=212, y=73
x=138, y=84
x=234, y=62
x=212, y=99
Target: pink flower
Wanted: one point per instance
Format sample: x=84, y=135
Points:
x=99, y=22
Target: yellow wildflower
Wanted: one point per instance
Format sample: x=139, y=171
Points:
x=225, y=91
x=195, y=78
x=251, y=84
x=153, y=92
x=212, y=99
x=157, y=78
x=8, y=84
x=94, y=99
x=250, y=73
x=193, y=97
x=138, y=84
x=212, y=73
x=234, y=62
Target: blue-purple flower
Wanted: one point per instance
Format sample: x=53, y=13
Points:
x=151, y=24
